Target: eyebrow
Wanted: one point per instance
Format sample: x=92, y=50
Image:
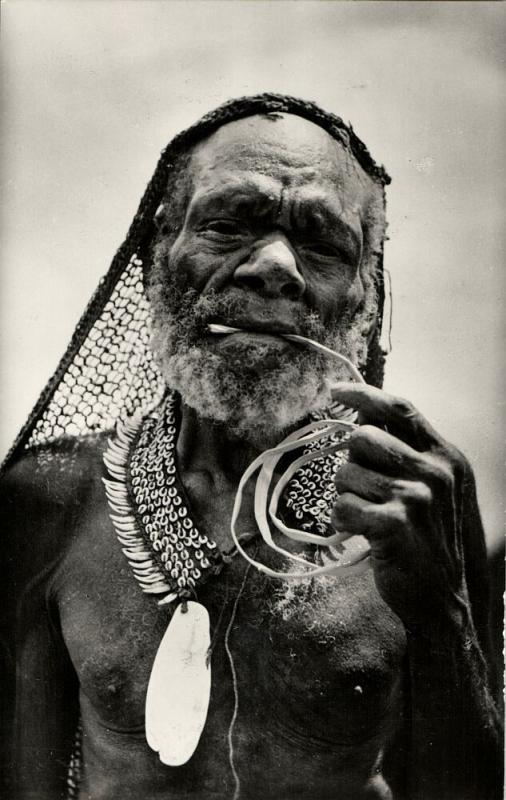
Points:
x=234, y=198
x=327, y=221
x=250, y=198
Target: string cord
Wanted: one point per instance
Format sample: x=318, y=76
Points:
x=230, y=735
x=218, y=624
x=389, y=311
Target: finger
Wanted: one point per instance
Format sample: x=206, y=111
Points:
x=379, y=451
x=384, y=525
x=352, y=515
x=365, y=483
x=399, y=416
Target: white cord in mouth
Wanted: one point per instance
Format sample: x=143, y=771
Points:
x=294, y=337
x=215, y=328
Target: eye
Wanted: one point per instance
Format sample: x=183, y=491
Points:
x=224, y=227
x=325, y=251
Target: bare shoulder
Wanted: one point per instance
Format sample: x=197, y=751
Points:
x=41, y=497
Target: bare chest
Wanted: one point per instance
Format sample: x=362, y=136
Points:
x=320, y=657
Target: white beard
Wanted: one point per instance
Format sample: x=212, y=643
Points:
x=258, y=392
x=253, y=407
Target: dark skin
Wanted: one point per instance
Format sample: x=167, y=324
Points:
x=370, y=686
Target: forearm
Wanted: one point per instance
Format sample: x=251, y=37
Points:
x=455, y=737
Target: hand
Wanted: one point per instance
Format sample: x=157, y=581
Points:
x=405, y=489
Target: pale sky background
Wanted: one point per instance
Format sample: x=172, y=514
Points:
x=94, y=89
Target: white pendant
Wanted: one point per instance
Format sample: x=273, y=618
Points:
x=179, y=686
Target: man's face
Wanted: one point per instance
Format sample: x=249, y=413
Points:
x=271, y=241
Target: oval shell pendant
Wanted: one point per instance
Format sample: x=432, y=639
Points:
x=179, y=686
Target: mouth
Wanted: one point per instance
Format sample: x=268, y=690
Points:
x=270, y=327
x=230, y=337
x=226, y=330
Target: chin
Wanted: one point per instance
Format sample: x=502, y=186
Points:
x=257, y=395
x=251, y=353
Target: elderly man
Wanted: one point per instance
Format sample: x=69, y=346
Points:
x=148, y=658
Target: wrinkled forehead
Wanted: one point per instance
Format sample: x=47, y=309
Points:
x=281, y=148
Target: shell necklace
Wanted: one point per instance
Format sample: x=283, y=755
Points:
x=170, y=557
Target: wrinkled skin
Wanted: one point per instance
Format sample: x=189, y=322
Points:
x=403, y=490
x=370, y=686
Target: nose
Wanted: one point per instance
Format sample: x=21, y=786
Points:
x=272, y=271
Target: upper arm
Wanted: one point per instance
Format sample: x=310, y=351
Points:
x=40, y=689
x=46, y=705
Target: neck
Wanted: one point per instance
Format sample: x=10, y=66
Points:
x=209, y=447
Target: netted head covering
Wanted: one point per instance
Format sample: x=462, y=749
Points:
x=108, y=370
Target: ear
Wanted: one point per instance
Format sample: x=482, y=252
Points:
x=160, y=219
x=157, y=227
x=371, y=305
x=376, y=355
x=375, y=365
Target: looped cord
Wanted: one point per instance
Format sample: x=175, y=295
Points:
x=266, y=464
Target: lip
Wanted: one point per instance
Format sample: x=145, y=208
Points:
x=252, y=324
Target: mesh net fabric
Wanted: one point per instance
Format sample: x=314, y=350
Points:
x=108, y=371
x=112, y=373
